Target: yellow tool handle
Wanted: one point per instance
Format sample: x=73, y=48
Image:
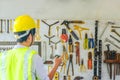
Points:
x=56, y=76
x=38, y=23
x=11, y=25
x=85, y=44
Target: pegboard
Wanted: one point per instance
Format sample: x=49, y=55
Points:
x=45, y=47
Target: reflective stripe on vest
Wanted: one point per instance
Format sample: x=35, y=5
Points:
x=26, y=64
x=3, y=65
x=7, y=73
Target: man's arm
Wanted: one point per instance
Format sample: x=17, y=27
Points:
x=56, y=64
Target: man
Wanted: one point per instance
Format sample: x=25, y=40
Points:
x=22, y=63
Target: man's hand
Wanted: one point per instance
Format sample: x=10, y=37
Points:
x=58, y=60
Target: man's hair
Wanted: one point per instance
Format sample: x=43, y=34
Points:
x=22, y=39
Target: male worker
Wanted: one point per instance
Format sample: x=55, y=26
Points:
x=22, y=63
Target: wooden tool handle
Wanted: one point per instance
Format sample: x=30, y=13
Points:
x=95, y=77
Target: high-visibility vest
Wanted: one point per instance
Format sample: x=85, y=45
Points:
x=16, y=64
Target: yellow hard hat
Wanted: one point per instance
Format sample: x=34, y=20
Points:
x=23, y=23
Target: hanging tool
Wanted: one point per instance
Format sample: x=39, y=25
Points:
x=45, y=52
x=37, y=36
x=77, y=46
x=1, y=30
x=8, y=26
x=64, y=77
x=49, y=30
x=64, y=36
x=89, y=60
x=65, y=59
x=80, y=29
x=70, y=62
x=70, y=44
x=56, y=76
x=113, y=30
x=69, y=77
x=49, y=25
x=78, y=78
x=55, y=43
x=66, y=23
x=49, y=38
x=110, y=55
x=112, y=42
x=11, y=28
x=82, y=66
x=115, y=27
x=85, y=43
x=91, y=42
x=52, y=52
x=115, y=38
x=4, y=25
x=57, y=29
x=97, y=55
x=100, y=60
x=107, y=24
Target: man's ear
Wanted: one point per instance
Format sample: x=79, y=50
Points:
x=29, y=38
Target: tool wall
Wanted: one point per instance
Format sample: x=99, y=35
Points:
x=78, y=41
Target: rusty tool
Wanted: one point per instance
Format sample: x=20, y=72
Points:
x=70, y=62
x=66, y=23
x=77, y=46
x=1, y=22
x=115, y=38
x=113, y=30
x=80, y=29
x=89, y=60
x=115, y=27
x=108, y=57
x=50, y=25
x=55, y=43
x=37, y=36
x=107, y=24
x=112, y=42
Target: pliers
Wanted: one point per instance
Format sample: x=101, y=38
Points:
x=70, y=62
